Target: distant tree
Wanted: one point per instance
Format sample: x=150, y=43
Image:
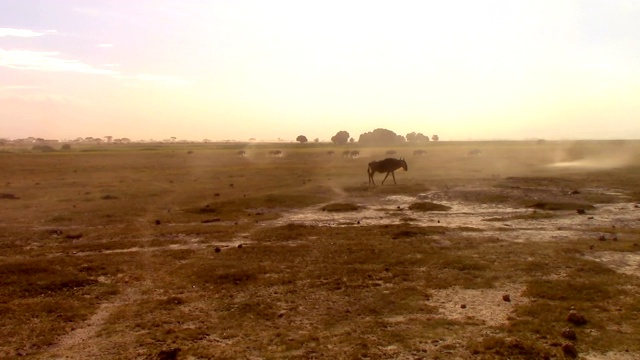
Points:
x=173, y=139
x=421, y=138
x=65, y=147
x=416, y=138
x=302, y=139
x=252, y=139
x=206, y=141
x=108, y=137
x=352, y=140
x=340, y=138
x=435, y=138
x=43, y=148
x=316, y=140
x=381, y=137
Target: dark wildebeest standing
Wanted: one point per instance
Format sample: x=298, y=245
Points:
x=420, y=152
x=388, y=165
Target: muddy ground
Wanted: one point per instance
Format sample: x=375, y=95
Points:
x=469, y=257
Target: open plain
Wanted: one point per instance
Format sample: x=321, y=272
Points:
x=482, y=250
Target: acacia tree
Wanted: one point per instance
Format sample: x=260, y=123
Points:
x=381, y=137
x=301, y=139
x=435, y=138
x=417, y=138
x=340, y=138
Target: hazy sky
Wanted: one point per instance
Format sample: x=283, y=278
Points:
x=150, y=69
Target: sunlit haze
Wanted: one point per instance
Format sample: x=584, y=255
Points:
x=237, y=70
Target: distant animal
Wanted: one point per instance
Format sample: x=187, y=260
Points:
x=351, y=153
x=391, y=152
x=388, y=165
x=331, y=152
x=419, y=152
x=242, y=153
x=474, y=152
x=275, y=153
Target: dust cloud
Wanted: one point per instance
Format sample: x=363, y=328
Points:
x=615, y=154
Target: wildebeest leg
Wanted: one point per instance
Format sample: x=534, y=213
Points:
x=394, y=177
x=385, y=177
x=371, y=173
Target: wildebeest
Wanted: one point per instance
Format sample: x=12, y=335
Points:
x=331, y=152
x=275, y=153
x=473, y=152
x=419, y=152
x=242, y=153
x=388, y=165
x=351, y=153
x=391, y=152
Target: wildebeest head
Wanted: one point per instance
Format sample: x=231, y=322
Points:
x=404, y=164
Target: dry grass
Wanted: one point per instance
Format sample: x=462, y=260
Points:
x=122, y=252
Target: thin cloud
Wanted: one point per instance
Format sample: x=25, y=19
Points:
x=51, y=61
x=105, y=45
x=26, y=33
x=163, y=79
x=46, y=61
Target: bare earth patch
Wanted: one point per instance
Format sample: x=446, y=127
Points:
x=84, y=342
x=612, y=355
x=626, y=263
x=484, y=305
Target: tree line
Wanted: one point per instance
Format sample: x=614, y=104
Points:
x=377, y=137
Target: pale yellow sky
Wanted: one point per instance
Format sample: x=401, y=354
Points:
x=278, y=69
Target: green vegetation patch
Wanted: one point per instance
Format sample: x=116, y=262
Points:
x=555, y=206
x=340, y=207
x=428, y=206
x=510, y=348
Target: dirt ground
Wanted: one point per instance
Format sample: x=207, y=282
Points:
x=192, y=252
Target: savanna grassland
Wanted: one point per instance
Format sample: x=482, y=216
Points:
x=482, y=250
